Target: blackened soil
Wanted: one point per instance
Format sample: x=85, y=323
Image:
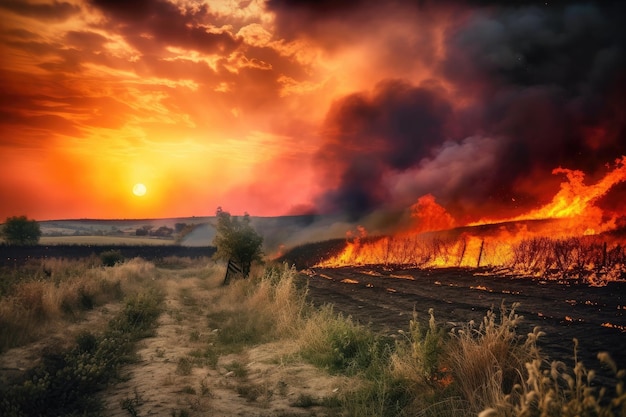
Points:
x=385, y=298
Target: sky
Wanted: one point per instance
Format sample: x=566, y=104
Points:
x=277, y=107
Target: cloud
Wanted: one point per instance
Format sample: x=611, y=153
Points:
x=150, y=26
x=518, y=90
x=391, y=129
x=56, y=11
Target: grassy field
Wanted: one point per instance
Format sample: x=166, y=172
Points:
x=135, y=339
x=103, y=240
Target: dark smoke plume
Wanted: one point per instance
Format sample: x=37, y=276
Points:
x=545, y=87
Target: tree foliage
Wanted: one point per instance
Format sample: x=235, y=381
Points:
x=18, y=230
x=237, y=240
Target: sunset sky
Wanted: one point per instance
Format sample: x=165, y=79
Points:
x=281, y=107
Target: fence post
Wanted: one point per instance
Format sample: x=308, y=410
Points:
x=480, y=253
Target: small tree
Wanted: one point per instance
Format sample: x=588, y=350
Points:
x=18, y=230
x=237, y=240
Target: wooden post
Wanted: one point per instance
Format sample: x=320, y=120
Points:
x=232, y=269
x=463, y=248
x=480, y=253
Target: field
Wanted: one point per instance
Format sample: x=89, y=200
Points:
x=384, y=297
x=160, y=335
x=102, y=240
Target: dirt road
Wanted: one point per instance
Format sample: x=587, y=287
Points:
x=386, y=298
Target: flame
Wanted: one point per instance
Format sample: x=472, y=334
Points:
x=575, y=200
x=430, y=216
x=561, y=236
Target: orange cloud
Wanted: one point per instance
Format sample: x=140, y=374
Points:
x=267, y=105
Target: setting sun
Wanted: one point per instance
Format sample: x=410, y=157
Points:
x=139, y=189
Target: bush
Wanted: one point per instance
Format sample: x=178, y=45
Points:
x=111, y=257
x=19, y=230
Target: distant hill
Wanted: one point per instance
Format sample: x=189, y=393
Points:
x=278, y=232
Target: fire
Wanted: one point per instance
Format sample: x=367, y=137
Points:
x=575, y=201
x=560, y=237
x=430, y=216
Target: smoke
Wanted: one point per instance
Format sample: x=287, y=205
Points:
x=518, y=91
x=370, y=136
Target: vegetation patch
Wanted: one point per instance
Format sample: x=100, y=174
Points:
x=65, y=383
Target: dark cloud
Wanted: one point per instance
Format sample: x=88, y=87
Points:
x=369, y=136
x=545, y=81
x=543, y=87
x=57, y=11
x=167, y=24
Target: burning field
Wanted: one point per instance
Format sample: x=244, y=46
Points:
x=571, y=236
x=563, y=262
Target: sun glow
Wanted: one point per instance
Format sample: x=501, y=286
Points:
x=139, y=189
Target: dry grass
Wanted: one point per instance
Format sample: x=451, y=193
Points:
x=559, y=391
x=70, y=289
x=487, y=361
x=482, y=368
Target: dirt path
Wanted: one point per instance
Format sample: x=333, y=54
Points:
x=173, y=378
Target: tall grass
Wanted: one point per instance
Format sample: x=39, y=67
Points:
x=484, y=368
x=556, y=390
x=59, y=290
x=487, y=361
x=267, y=306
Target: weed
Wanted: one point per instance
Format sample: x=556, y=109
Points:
x=204, y=389
x=180, y=413
x=131, y=404
x=339, y=344
x=304, y=401
x=560, y=391
x=194, y=336
x=184, y=366
x=255, y=393
x=238, y=369
x=485, y=361
x=188, y=389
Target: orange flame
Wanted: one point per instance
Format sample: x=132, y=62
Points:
x=575, y=200
x=544, y=239
x=430, y=216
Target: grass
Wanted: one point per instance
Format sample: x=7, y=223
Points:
x=65, y=383
x=429, y=370
x=266, y=307
x=102, y=240
x=57, y=291
x=483, y=368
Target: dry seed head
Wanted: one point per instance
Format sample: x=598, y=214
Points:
x=606, y=359
x=489, y=412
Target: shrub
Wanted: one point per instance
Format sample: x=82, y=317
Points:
x=18, y=230
x=111, y=257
